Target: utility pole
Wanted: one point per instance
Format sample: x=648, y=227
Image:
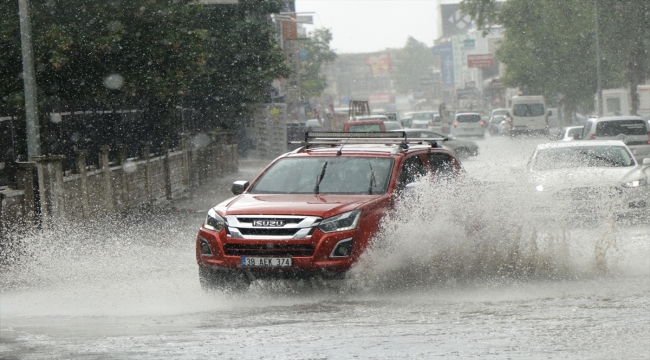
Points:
x=29, y=80
x=600, y=89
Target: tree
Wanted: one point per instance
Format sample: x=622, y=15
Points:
x=11, y=96
x=549, y=50
x=549, y=46
x=414, y=62
x=242, y=60
x=625, y=40
x=148, y=54
x=318, y=53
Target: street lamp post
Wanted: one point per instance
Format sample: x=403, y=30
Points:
x=29, y=80
x=600, y=89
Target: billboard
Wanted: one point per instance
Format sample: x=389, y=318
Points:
x=379, y=98
x=453, y=21
x=447, y=58
x=289, y=29
x=480, y=60
x=380, y=65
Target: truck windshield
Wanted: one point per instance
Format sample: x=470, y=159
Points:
x=528, y=110
x=341, y=175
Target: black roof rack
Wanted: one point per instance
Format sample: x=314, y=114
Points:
x=349, y=138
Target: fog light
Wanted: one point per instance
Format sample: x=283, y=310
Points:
x=205, y=247
x=343, y=248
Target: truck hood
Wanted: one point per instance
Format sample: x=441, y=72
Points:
x=290, y=204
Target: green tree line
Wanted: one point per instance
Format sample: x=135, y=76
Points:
x=153, y=54
x=549, y=46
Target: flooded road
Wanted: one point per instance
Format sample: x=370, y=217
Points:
x=128, y=289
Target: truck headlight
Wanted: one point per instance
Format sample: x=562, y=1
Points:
x=341, y=222
x=213, y=221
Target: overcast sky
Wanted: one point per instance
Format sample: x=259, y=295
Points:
x=373, y=25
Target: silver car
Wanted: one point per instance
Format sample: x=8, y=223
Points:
x=570, y=133
x=468, y=124
x=598, y=177
x=423, y=119
x=634, y=131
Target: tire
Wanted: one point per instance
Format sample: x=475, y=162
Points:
x=222, y=280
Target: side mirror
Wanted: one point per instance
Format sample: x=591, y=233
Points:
x=646, y=162
x=508, y=114
x=550, y=113
x=238, y=187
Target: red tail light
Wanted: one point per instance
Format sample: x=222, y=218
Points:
x=482, y=123
x=455, y=123
x=592, y=137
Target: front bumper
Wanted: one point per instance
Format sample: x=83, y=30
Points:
x=309, y=256
x=589, y=203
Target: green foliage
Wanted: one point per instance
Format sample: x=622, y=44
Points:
x=625, y=39
x=484, y=12
x=547, y=52
x=319, y=53
x=11, y=84
x=549, y=46
x=153, y=54
x=413, y=63
x=242, y=59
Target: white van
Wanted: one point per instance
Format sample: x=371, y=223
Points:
x=527, y=115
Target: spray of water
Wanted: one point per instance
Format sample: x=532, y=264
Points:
x=437, y=235
x=467, y=231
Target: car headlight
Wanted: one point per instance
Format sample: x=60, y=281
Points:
x=635, y=183
x=341, y=222
x=213, y=221
x=539, y=187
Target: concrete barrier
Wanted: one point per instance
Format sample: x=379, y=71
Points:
x=147, y=180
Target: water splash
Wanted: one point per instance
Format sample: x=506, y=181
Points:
x=473, y=232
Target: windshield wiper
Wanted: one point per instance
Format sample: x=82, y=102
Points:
x=604, y=159
x=320, y=177
x=373, y=181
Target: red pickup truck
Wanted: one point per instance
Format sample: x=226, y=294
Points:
x=314, y=211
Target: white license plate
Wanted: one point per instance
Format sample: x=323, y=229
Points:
x=249, y=261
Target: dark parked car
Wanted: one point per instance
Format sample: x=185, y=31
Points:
x=462, y=148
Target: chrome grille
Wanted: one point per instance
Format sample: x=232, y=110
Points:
x=292, y=226
x=267, y=231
